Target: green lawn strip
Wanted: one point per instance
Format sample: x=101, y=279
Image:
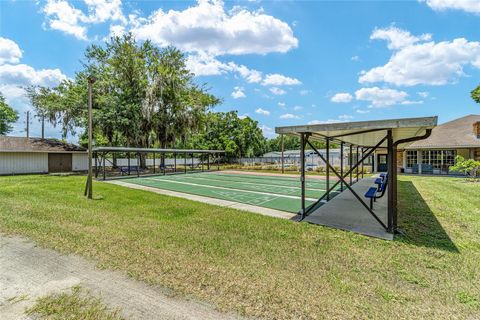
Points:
x=264, y=200
x=243, y=185
x=77, y=304
x=261, y=266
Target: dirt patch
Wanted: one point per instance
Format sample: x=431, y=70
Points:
x=29, y=272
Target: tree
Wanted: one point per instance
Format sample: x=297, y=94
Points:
x=470, y=167
x=226, y=131
x=8, y=116
x=476, y=94
x=143, y=95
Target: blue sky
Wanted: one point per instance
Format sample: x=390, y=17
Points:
x=279, y=62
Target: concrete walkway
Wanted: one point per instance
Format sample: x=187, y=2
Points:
x=347, y=213
x=28, y=272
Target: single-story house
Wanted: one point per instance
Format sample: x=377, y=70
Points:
x=437, y=153
x=19, y=155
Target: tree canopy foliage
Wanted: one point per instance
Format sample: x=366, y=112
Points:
x=239, y=137
x=145, y=96
x=7, y=116
x=476, y=94
x=469, y=167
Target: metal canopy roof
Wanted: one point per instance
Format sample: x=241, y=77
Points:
x=364, y=133
x=147, y=150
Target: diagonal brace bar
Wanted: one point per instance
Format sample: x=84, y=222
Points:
x=348, y=173
x=348, y=186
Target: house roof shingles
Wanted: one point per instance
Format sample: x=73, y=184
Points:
x=21, y=144
x=457, y=133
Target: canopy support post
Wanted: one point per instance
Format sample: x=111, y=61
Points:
x=283, y=165
x=328, y=168
x=341, y=164
x=302, y=171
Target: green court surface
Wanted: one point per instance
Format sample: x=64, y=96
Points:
x=275, y=192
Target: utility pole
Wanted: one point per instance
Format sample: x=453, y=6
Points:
x=28, y=124
x=89, y=190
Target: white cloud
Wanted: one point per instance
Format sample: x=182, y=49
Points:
x=304, y=92
x=342, y=97
x=281, y=104
x=341, y=118
x=238, y=92
x=276, y=79
x=267, y=131
x=423, y=94
x=289, y=116
x=62, y=16
x=471, y=6
x=427, y=63
x=9, y=51
x=277, y=91
x=104, y=10
x=380, y=97
x=22, y=75
x=250, y=75
x=345, y=117
x=362, y=111
x=262, y=112
x=208, y=27
x=203, y=64
x=397, y=38
x=407, y=102
x=296, y=108
x=355, y=58
x=206, y=65
x=243, y=116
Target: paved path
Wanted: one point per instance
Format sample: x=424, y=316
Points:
x=28, y=272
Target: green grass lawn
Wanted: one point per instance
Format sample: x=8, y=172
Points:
x=262, y=266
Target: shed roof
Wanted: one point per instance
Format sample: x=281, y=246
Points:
x=365, y=133
x=457, y=133
x=22, y=144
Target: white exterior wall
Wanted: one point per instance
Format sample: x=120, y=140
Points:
x=80, y=162
x=23, y=162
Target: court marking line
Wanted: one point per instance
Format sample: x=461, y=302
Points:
x=309, y=184
x=233, y=189
x=256, y=184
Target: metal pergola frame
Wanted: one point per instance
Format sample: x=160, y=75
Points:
x=381, y=127
x=101, y=153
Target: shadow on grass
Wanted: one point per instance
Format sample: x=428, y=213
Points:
x=419, y=223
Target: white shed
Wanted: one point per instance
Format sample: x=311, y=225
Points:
x=20, y=155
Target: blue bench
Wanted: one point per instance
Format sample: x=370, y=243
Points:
x=377, y=192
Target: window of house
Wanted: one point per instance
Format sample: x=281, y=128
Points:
x=411, y=158
x=439, y=158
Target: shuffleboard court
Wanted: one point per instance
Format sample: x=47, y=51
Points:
x=280, y=193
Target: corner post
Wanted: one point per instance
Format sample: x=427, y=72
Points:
x=185, y=162
x=283, y=165
x=356, y=161
x=350, y=156
x=341, y=164
x=175, y=162
x=328, y=168
x=302, y=171
x=154, y=163
x=391, y=182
